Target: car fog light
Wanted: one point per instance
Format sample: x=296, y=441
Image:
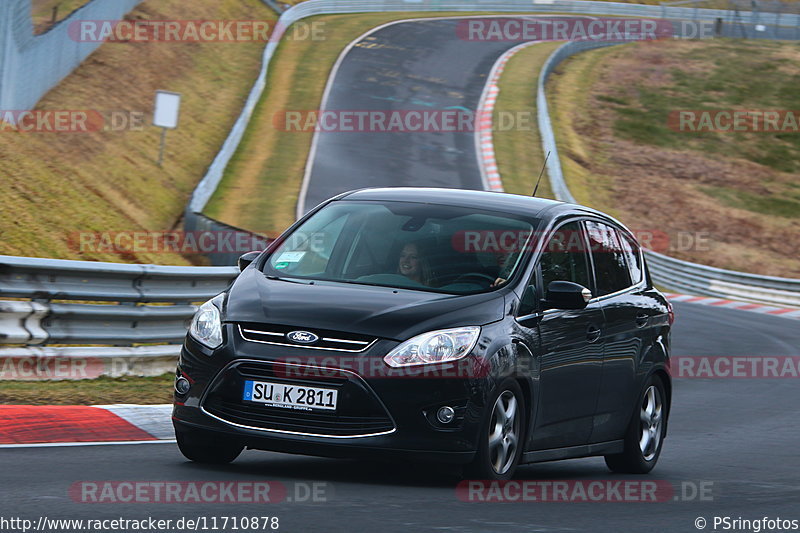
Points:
x=182, y=385
x=445, y=414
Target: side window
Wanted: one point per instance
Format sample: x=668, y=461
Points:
x=564, y=257
x=611, y=271
x=633, y=256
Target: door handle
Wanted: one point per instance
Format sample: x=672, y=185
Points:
x=642, y=320
x=592, y=333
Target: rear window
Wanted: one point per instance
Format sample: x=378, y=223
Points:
x=633, y=257
x=611, y=269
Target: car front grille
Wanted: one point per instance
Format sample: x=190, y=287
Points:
x=327, y=340
x=359, y=413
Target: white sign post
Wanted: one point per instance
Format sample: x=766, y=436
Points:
x=166, y=114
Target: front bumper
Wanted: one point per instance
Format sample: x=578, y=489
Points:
x=378, y=416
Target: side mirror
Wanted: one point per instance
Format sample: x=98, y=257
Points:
x=245, y=260
x=566, y=295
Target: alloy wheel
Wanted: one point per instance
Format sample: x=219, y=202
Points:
x=504, y=430
x=651, y=417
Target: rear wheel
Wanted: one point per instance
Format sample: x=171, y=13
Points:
x=645, y=434
x=206, y=447
x=500, y=440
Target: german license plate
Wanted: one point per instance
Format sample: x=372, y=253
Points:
x=289, y=396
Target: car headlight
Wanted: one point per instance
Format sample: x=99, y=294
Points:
x=206, y=325
x=434, y=347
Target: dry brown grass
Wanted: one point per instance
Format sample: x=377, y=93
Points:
x=100, y=391
x=742, y=191
x=43, y=11
x=55, y=185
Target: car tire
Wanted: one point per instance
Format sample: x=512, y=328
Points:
x=644, y=436
x=502, y=435
x=207, y=448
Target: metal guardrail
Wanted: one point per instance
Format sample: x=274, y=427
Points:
x=667, y=271
x=80, y=302
x=710, y=281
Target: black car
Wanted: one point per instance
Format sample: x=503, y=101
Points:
x=469, y=327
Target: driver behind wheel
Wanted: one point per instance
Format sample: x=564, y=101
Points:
x=414, y=264
x=506, y=262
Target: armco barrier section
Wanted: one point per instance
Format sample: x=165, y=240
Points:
x=31, y=65
x=84, y=303
x=667, y=271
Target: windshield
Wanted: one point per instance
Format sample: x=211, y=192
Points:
x=455, y=250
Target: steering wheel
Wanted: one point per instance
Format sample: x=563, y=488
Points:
x=476, y=277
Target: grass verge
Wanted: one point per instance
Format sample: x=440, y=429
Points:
x=100, y=391
x=59, y=186
x=726, y=199
x=519, y=150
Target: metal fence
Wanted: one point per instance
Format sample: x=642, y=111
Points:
x=31, y=65
x=751, y=19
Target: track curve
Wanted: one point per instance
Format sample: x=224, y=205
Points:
x=415, y=65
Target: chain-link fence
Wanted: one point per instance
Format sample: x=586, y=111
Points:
x=747, y=19
x=31, y=65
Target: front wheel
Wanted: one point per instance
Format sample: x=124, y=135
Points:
x=208, y=448
x=645, y=434
x=500, y=441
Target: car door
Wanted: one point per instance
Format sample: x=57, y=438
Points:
x=621, y=294
x=569, y=350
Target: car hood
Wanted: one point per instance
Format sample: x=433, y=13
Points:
x=377, y=311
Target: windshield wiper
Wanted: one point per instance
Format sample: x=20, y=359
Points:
x=276, y=278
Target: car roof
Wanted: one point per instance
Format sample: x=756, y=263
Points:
x=542, y=208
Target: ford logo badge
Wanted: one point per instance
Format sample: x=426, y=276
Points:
x=302, y=337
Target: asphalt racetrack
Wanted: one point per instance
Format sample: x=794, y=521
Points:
x=736, y=439
x=732, y=448
x=411, y=66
